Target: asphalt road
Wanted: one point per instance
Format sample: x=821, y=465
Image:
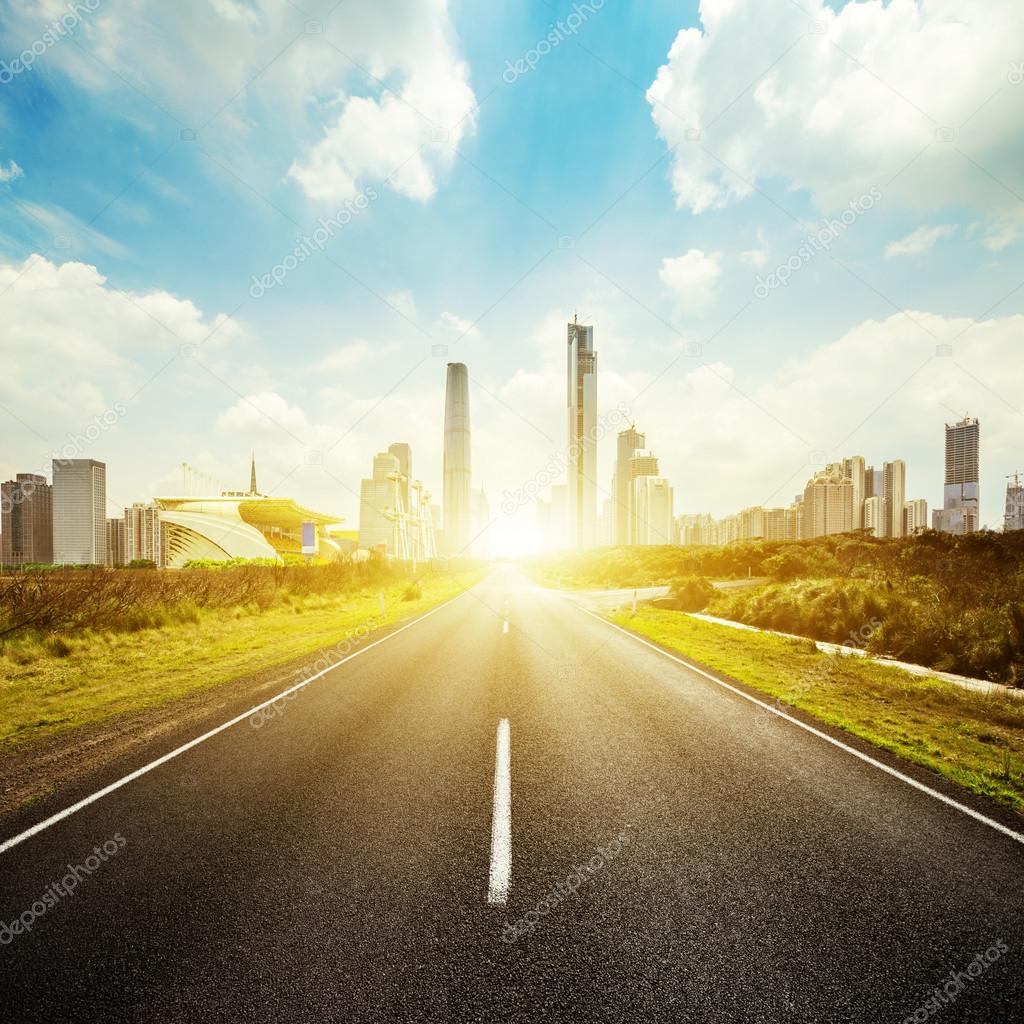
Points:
x=335, y=864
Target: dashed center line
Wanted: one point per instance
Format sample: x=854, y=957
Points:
x=501, y=823
x=504, y=627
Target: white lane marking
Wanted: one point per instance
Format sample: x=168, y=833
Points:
x=68, y=811
x=949, y=801
x=504, y=627
x=501, y=824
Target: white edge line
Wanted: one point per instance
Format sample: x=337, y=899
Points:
x=501, y=823
x=949, y=801
x=68, y=811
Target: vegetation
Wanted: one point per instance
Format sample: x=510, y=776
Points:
x=191, y=632
x=692, y=593
x=951, y=603
x=975, y=739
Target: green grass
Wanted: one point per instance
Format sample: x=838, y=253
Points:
x=974, y=739
x=47, y=689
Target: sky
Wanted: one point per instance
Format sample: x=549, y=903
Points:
x=227, y=226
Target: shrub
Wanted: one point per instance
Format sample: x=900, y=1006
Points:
x=413, y=592
x=692, y=593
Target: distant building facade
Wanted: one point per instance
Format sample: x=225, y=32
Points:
x=378, y=496
x=652, y=500
x=1013, y=516
x=581, y=407
x=26, y=520
x=144, y=534
x=79, y=512
x=961, y=492
x=116, y=545
x=458, y=497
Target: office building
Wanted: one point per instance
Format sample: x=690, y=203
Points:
x=641, y=463
x=582, y=440
x=629, y=441
x=1013, y=517
x=960, y=512
x=458, y=508
x=894, y=496
x=26, y=521
x=79, y=512
x=116, y=543
x=652, y=501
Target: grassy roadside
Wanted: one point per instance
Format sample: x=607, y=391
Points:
x=102, y=675
x=974, y=739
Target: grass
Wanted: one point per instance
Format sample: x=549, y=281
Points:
x=48, y=688
x=974, y=739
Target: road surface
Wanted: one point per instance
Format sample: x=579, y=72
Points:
x=650, y=847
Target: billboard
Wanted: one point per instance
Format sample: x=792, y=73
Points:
x=309, y=538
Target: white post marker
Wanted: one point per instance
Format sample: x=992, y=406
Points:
x=501, y=825
x=504, y=627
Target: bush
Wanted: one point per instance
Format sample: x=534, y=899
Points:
x=692, y=593
x=413, y=592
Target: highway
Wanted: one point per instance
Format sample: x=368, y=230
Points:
x=510, y=810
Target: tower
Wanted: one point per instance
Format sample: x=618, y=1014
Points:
x=960, y=511
x=581, y=401
x=458, y=511
x=252, y=475
x=630, y=441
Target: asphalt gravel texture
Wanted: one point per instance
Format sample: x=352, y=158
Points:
x=332, y=863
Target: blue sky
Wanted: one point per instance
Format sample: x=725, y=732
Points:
x=501, y=207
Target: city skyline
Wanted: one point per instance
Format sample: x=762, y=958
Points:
x=903, y=318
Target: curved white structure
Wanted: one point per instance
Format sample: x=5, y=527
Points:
x=195, y=535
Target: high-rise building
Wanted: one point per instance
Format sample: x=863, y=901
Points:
x=874, y=515
x=960, y=512
x=79, y=512
x=378, y=497
x=116, y=543
x=582, y=440
x=606, y=522
x=915, y=516
x=629, y=441
x=652, y=500
x=894, y=495
x=1013, y=518
x=144, y=534
x=26, y=520
x=641, y=463
x=403, y=453
x=458, y=508
x=855, y=470
x=827, y=504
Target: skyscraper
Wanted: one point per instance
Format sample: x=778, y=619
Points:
x=641, y=463
x=856, y=471
x=79, y=512
x=629, y=441
x=458, y=508
x=378, y=496
x=652, y=500
x=116, y=543
x=960, y=511
x=26, y=520
x=894, y=494
x=582, y=420
x=915, y=516
x=1013, y=517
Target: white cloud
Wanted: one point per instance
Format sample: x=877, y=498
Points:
x=757, y=257
x=693, y=279
x=1002, y=234
x=10, y=172
x=848, y=100
x=372, y=91
x=919, y=241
